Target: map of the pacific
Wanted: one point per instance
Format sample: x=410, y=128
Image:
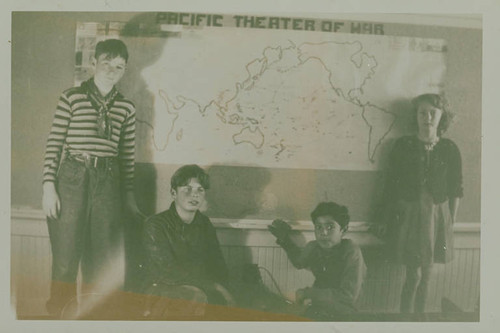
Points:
x=281, y=98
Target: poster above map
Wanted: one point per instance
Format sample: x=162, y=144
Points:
x=281, y=98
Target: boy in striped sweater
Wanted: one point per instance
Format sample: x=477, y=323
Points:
x=88, y=170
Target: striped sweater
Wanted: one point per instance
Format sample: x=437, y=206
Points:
x=75, y=126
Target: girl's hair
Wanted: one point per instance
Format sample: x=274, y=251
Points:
x=182, y=176
x=437, y=101
x=338, y=212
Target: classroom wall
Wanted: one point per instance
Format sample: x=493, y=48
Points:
x=43, y=52
x=43, y=58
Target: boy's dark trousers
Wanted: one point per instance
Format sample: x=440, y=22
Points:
x=89, y=228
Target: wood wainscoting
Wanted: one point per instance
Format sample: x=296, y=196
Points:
x=248, y=241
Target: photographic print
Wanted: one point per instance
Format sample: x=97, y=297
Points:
x=235, y=166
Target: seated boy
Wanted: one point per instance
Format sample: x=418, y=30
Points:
x=183, y=256
x=337, y=264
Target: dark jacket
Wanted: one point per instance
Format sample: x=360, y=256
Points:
x=178, y=253
x=409, y=170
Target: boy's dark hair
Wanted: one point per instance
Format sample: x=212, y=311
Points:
x=182, y=176
x=437, y=101
x=113, y=48
x=338, y=212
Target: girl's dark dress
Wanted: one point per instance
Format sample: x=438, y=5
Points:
x=421, y=181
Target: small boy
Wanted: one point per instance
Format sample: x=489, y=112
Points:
x=336, y=263
x=183, y=255
x=89, y=163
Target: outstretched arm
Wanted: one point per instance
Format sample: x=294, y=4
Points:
x=281, y=230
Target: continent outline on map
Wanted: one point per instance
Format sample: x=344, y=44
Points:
x=273, y=59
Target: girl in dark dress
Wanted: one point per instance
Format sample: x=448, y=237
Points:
x=423, y=190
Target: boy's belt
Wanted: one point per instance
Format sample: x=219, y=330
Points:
x=92, y=161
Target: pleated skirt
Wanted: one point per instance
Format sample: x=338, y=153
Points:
x=422, y=232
